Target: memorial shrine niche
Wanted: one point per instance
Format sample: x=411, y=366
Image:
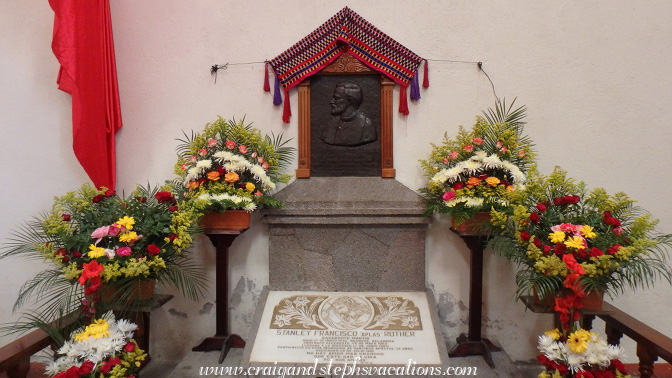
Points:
x=345, y=125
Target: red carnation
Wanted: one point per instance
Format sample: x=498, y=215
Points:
x=608, y=219
x=584, y=374
x=582, y=254
x=76, y=254
x=534, y=217
x=163, y=197
x=596, y=252
x=86, y=367
x=66, y=217
x=97, y=198
x=542, y=359
x=604, y=374
x=172, y=237
x=483, y=176
x=547, y=249
x=537, y=242
x=141, y=199
x=559, y=249
x=73, y=372
x=130, y=347
x=172, y=208
x=525, y=235
x=153, y=250
x=618, y=365
x=541, y=207
x=458, y=186
x=221, y=170
x=613, y=249
x=559, y=201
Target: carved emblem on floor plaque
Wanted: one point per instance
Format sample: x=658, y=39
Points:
x=374, y=328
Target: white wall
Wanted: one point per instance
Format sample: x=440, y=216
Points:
x=595, y=76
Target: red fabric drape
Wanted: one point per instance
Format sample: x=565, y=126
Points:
x=83, y=44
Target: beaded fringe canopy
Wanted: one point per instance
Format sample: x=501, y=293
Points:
x=345, y=31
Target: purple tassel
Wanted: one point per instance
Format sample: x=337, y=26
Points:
x=277, y=98
x=415, y=87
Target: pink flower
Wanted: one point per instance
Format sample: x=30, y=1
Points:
x=193, y=159
x=100, y=233
x=242, y=148
x=449, y=195
x=500, y=144
x=503, y=150
x=453, y=155
x=254, y=154
x=445, y=159
x=618, y=231
x=115, y=229
x=522, y=154
x=124, y=251
x=478, y=141
x=230, y=144
x=184, y=166
x=265, y=165
x=212, y=142
x=202, y=152
x=468, y=148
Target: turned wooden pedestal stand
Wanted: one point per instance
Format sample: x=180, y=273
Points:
x=472, y=343
x=222, y=238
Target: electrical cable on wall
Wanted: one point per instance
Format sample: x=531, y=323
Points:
x=215, y=68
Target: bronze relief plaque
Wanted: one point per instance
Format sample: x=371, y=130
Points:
x=345, y=125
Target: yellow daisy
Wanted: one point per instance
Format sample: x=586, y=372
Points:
x=578, y=341
x=587, y=232
x=127, y=222
x=575, y=242
x=127, y=237
x=555, y=334
x=99, y=328
x=95, y=252
x=557, y=237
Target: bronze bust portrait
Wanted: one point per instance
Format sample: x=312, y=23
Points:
x=349, y=127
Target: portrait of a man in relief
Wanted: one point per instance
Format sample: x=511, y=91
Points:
x=349, y=126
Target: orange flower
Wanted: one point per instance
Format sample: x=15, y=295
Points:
x=193, y=185
x=510, y=189
x=213, y=176
x=492, y=181
x=473, y=181
x=231, y=177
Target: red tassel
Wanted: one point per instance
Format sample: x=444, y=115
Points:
x=267, y=85
x=425, y=79
x=286, y=110
x=403, y=101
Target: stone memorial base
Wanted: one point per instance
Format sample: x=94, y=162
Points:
x=323, y=334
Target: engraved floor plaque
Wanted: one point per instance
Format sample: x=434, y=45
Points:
x=373, y=328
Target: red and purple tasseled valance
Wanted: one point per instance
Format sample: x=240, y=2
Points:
x=345, y=31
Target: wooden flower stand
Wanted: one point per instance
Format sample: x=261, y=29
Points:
x=222, y=237
x=472, y=343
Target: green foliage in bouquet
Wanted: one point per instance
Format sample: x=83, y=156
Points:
x=143, y=236
x=479, y=169
x=230, y=165
x=613, y=240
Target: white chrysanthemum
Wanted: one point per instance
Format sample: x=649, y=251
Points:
x=615, y=352
x=472, y=166
x=545, y=343
x=260, y=174
x=574, y=361
x=251, y=206
x=480, y=155
x=126, y=328
x=204, y=164
x=492, y=162
x=440, y=176
x=454, y=173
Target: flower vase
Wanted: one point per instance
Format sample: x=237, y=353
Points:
x=479, y=223
x=228, y=220
x=140, y=290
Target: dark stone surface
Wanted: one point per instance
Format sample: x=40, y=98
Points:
x=343, y=160
x=347, y=234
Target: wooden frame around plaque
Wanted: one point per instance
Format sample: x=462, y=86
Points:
x=346, y=64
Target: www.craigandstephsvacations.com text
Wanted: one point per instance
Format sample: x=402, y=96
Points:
x=338, y=370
